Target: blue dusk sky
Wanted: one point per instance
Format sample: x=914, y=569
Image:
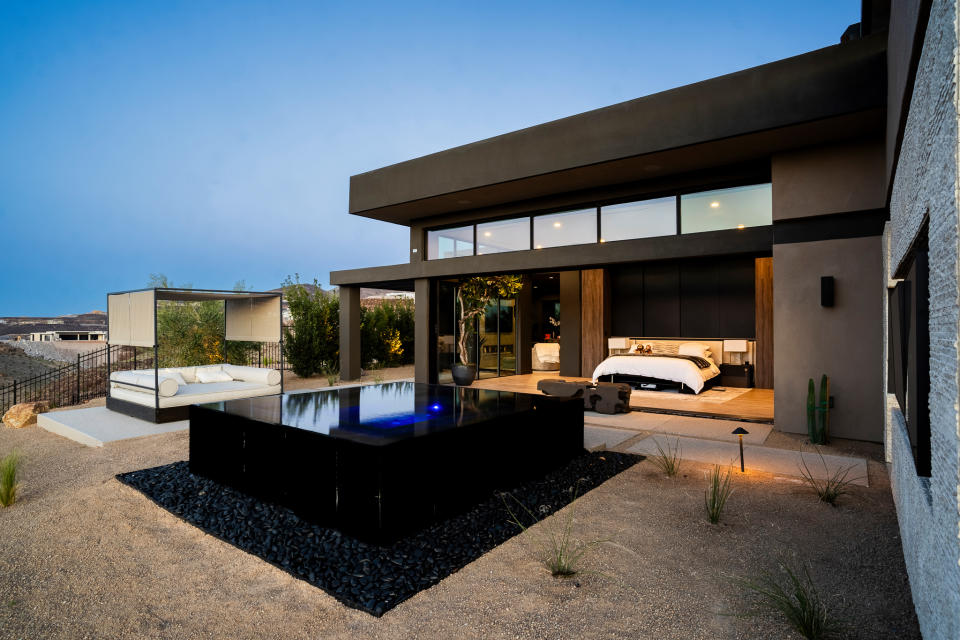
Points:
x=214, y=141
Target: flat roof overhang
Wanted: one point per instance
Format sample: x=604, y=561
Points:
x=830, y=94
x=752, y=240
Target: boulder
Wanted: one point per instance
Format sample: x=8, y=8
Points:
x=24, y=414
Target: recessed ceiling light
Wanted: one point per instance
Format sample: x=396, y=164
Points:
x=602, y=240
x=714, y=204
x=539, y=246
x=557, y=225
x=740, y=226
x=486, y=234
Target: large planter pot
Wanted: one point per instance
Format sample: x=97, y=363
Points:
x=463, y=374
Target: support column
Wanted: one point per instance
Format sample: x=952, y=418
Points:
x=424, y=340
x=349, y=333
x=594, y=317
x=570, y=323
x=525, y=315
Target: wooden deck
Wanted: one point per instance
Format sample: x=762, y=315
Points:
x=754, y=404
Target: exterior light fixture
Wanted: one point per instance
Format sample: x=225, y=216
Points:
x=714, y=205
x=557, y=225
x=740, y=432
x=740, y=226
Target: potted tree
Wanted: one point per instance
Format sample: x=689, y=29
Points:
x=473, y=296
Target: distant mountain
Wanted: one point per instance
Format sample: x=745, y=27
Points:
x=20, y=325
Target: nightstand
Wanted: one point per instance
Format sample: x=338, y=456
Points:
x=736, y=375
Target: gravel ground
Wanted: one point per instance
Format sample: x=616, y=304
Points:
x=86, y=557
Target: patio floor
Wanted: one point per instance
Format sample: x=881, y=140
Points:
x=750, y=404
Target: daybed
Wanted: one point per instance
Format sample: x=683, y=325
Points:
x=183, y=386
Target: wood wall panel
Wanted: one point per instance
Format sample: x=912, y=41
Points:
x=763, y=367
x=594, y=318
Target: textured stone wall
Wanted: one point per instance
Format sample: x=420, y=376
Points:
x=925, y=187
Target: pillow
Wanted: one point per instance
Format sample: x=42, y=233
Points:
x=694, y=349
x=217, y=374
x=664, y=348
x=173, y=373
x=633, y=347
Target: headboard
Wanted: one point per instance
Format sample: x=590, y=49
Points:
x=716, y=347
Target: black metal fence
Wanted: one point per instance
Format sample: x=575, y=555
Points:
x=86, y=379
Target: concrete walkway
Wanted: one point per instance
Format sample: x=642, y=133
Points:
x=701, y=428
x=98, y=425
x=783, y=462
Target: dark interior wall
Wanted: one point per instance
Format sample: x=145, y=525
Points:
x=570, y=323
x=712, y=298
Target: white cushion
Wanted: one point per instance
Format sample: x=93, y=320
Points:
x=143, y=381
x=213, y=374
x=189, y=373
x=694, y=349
x=175, y=374
x=633, y=347
x=257, y=375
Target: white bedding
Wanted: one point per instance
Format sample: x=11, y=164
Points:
x=548, y=352
x=674, y=369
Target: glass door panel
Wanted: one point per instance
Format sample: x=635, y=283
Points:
x=508, y=337
x=488, y=345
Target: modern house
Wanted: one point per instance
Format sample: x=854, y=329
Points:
x=805, y=209
x=58, y=336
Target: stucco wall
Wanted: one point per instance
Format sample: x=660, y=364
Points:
x=925, y=185
x=828, y=179
x=841, y=341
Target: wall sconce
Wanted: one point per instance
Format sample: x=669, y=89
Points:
x=826, y=291
x=740, y=432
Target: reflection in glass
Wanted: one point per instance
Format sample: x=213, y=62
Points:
x=450, y=243
x=734, y=208
x=644, y=219
x=503, y=235
x=562, y=229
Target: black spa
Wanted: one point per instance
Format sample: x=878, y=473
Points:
x=382, y=461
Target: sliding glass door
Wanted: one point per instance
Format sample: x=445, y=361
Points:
x=492, y=345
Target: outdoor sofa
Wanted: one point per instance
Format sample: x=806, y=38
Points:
x=182, y=386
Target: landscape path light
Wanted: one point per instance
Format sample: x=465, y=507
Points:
x=740, y=432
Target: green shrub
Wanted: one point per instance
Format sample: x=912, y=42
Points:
x=798, y=601
x=668, y=461
x=386, y=333
x=191, y=333
x=312, y=344
x=8, y=478
x=560, y=552
x=716, y=495
x=830, y=488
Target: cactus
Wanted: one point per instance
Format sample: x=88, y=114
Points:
x=824, y=410
x=818, y=413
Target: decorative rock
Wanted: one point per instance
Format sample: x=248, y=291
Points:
x=24, y=414
x=364, y=576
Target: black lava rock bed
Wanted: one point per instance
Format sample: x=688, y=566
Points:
x=364, y=576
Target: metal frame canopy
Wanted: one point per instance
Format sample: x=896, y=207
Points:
x=249, y=316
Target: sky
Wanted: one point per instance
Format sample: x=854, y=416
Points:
x=213, y=141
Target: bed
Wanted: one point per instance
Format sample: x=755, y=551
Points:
x=690, y=366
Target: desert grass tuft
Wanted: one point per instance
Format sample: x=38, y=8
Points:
x=332, y=374
x=560, y=552
x=798, y=601
x=668, y=461
x=830, y=488
x=715, y=497
x=9, y=466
